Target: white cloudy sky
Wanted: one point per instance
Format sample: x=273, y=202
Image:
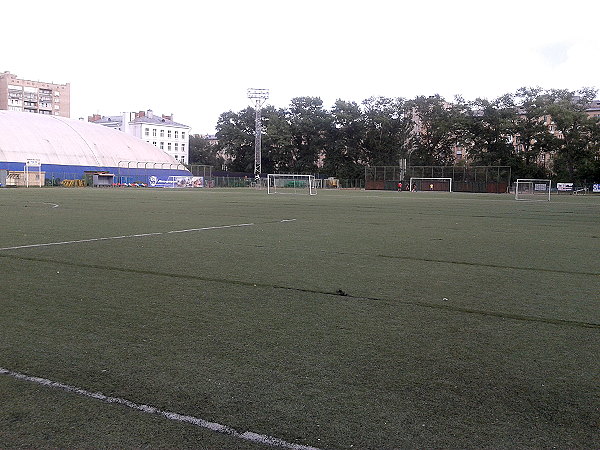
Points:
x=196, y=59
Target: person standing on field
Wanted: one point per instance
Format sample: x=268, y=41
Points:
x=400, y=186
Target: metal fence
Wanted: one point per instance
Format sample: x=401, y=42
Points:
x=59, y=179
x=493, y=179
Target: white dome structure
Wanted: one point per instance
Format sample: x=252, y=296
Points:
x=73, y=147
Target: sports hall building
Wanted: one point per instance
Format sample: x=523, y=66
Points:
x=57, y=148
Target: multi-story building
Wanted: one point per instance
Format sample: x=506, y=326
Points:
x=593, y=109
x=160, y=131
x=34, y=96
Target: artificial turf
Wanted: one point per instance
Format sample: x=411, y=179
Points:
x=350, y=319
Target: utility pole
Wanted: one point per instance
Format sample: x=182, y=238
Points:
x=259, y=96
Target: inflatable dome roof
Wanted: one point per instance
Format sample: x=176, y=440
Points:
x=62, y=144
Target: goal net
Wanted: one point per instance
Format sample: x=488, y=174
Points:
x=430, y=184
x=532, y=189
x=282, y=183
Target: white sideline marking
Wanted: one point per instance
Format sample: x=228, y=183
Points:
x=213, y=426
x=54, y=205
x=79, y=241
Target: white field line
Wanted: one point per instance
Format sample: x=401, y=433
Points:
x=79, y=241
x=54, y=205
x=213, y=426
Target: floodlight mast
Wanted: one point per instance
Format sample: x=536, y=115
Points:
x=259, y=96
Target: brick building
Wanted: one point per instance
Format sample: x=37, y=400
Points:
x=34, y=96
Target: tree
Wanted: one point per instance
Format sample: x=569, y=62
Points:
x=491, y=127
x=437, y=130
x=344, y=154
x=576, y=137
x=235, y=132
x=309, y=126
x=277, y=148
x=387, y=126
x=532, y=136
x=201, y=151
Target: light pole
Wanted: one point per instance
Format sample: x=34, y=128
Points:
x=259, y=96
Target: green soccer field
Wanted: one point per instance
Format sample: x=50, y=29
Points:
x=349, y=319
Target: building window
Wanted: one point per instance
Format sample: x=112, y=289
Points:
x=183, y=135
x=154, y=143
x=176, y=146
x=183, y=147
x=147, y=132
x=162, y=133
x=176, y=134
x=168, y=133
x=168, y=146
x=162, y=145
x=153, y=131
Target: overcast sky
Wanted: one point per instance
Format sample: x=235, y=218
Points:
x=196, y=59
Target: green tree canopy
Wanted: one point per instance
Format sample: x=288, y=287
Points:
x=235, y=132
x=576, y=140
x=437, y=127
x=513, y=129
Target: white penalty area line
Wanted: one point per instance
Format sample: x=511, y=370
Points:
x=212, y=426
x=79, y=241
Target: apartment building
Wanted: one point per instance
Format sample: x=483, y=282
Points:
x=34, y=96
x=593, y=109
x=161, y=131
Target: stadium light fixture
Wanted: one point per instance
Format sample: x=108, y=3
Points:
x=259, y=96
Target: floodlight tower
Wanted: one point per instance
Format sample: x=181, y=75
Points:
x=259, y=96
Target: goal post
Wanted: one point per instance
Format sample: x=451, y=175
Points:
x=284, y=183
x=430, y=184
x=533, y=189
x=33, y=166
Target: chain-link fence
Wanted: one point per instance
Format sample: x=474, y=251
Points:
x=493, y=179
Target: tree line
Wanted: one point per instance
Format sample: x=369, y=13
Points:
x=517, y=130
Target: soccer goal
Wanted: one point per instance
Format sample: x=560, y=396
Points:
x=283, y=183
x=532, y=189
x=430, y=184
